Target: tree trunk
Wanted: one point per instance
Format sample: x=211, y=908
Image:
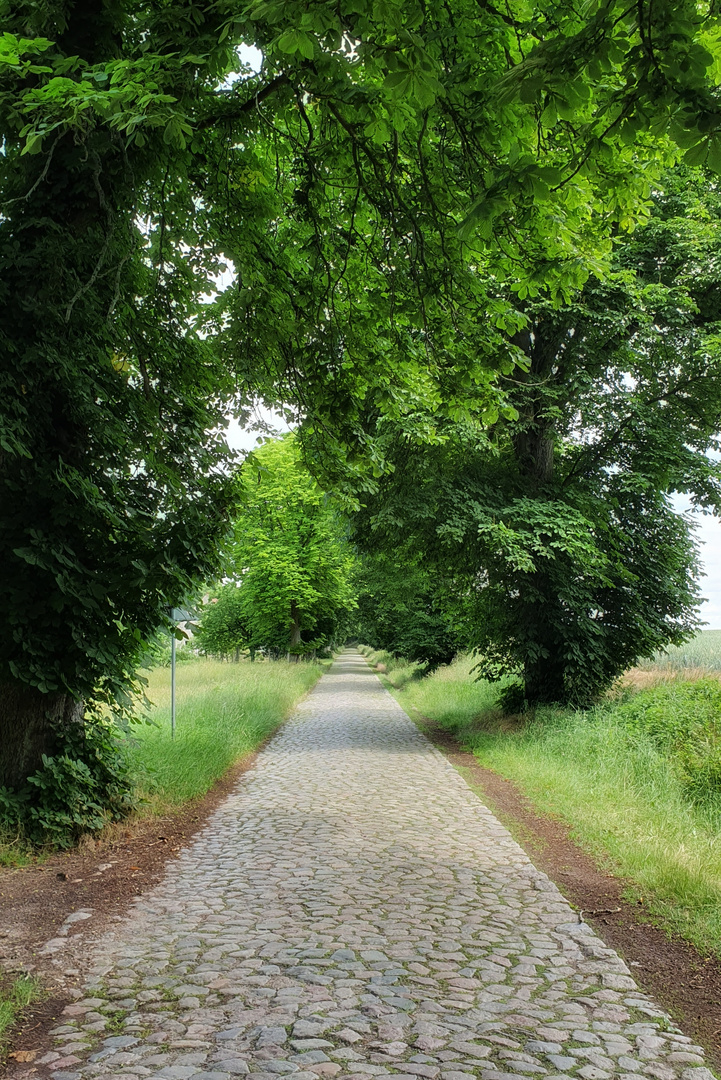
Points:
x=540, y=630
x=534, y=443
x=30, y=723
x=535, y=436
x=544, y=682
x=294, y=632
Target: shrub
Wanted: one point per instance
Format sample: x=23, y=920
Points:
x=81, y=787
x=683, y=719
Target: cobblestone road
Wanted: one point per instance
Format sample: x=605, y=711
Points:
x=354, y=910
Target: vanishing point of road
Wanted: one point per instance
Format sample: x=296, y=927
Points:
x=354, y=911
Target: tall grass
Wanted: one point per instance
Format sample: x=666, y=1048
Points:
x=451, y=695
x=396, y=669
x=626, y=801
x=635, y=778
x=223, y=712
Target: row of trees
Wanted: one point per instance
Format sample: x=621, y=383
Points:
x=422, y=205
x=288, y=587
x=548, y=540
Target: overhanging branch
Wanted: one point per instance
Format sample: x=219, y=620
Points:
x=244, y=107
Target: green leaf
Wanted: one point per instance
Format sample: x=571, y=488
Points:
x=294, y=41
x=697, y=154
x=397, y=80
x=530, y=90
x=714, y=154
x=34, y=143
x=549, y=116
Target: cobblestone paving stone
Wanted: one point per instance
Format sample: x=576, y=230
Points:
x=353, y=911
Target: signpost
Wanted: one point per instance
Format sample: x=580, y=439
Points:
x=178, y=615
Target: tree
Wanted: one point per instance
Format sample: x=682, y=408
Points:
x=223, y=628
x=290, y=556
x=409, y=609
x=561, y=518
x=127, y=160
x=471, y=146
x=113, y=493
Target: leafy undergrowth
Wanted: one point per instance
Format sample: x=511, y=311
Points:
x=15, y=996
x=223, y=712
x=638, y=779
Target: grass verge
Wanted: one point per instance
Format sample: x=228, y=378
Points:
x=636, y=779
x=223, y=712
x=15, y=996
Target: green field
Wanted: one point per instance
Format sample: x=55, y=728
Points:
x=704, y=651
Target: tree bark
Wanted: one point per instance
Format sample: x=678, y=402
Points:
x=30, y=724
x=534, y=447
x=534, y=440
x=294, y=632
x=544, y=682
x=540, y=622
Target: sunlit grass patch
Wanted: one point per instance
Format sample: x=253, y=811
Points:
x=223, y=712
x=15, y=995
x=451, y=695
x=396, y=669
x=15, y=851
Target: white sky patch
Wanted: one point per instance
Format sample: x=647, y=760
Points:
x=245, y=439
x=251, y=61
x=708, y=536
x=227, y=278
x=251, y=56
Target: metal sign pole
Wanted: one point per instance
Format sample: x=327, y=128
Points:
x=177, y=615
x=172, y=684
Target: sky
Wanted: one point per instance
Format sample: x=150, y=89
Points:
x=708, y=536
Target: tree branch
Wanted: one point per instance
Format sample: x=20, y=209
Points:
x=247, y=106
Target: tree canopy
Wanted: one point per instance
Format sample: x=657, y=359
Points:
x=223, y=628
x=412, y=606
x=560, y=519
